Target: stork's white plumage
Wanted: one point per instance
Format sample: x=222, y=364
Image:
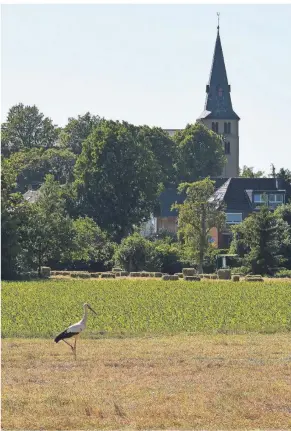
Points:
x=75, y=329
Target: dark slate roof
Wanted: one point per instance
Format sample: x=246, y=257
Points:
x=170, y=196
x=218, y=101
x=238, y=196
x=235, y=193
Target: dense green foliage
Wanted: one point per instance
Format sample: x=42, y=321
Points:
x=197, y=215
x=260, y=240
x=26, y=128
x=30, y=167
x=77, y=131
x=135, y=307
x=119, y=178
x=200, y=153
x=248, y=172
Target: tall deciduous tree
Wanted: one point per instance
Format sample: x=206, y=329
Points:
x=118, y=178
x=77, y=131
x=26, y=127
x=198, y=214
x=47, y=234
x=13, y=215
x=200, y=153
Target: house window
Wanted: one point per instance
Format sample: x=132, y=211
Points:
x=260, y=198
x=215, y=127
x=227, y=147
x=276, y=198
x=233, y=218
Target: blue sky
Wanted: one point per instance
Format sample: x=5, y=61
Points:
x=149, y=64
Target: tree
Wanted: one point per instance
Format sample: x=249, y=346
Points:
x=197, y=215
x=258, y=240
x=135, y=253
x=33, y=165
x=248, y=172
x=283, y=174
x=200, y=153
x=77, y=131
x=118, y=178
x=283, y=212
x=164, y=149
x=26, y=128
x=90, y=244
x=47, y=234
x=13, y=215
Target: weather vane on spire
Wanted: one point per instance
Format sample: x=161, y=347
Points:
x=218, y=13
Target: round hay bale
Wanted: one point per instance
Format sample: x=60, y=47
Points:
x=170, y=277
x=191, y=278
x=188, y=271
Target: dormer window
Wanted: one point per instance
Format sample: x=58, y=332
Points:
x=260, y=198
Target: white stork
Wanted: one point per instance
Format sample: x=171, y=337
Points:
x=75, y=330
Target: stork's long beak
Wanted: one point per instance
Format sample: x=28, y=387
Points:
x=90, y=308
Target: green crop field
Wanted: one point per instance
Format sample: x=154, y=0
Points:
x=41, y=309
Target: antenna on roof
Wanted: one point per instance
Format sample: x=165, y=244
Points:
x=218, y=13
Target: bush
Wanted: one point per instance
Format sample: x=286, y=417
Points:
x=224, y=274
x=283, y=273
x=240, y=270
x=191, y=278
x=170, y=277
x=135, y=253
x=188, y=271
x=169, y=256
x=235, y=278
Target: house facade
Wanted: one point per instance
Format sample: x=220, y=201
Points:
x=239, y=197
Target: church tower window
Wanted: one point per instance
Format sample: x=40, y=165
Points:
x=215, y=127
x=227, y=128
x=227, y=147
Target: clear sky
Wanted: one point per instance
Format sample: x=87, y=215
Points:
x=149, y=64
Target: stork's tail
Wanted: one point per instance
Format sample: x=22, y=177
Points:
x=60, y=337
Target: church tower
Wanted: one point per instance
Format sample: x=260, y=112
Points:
x=218, y=114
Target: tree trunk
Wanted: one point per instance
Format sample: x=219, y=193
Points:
x=203, y=239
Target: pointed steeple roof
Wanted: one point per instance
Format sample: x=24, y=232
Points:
x=218, y=101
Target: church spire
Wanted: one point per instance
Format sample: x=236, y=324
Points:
x=218, y=101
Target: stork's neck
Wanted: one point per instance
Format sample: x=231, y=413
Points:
x=85, y=315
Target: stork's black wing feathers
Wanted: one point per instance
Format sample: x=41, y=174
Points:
x=64, y=334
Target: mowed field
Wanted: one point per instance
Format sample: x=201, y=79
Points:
x=159, y=355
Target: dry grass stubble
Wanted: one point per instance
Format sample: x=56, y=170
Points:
x=184, y=382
